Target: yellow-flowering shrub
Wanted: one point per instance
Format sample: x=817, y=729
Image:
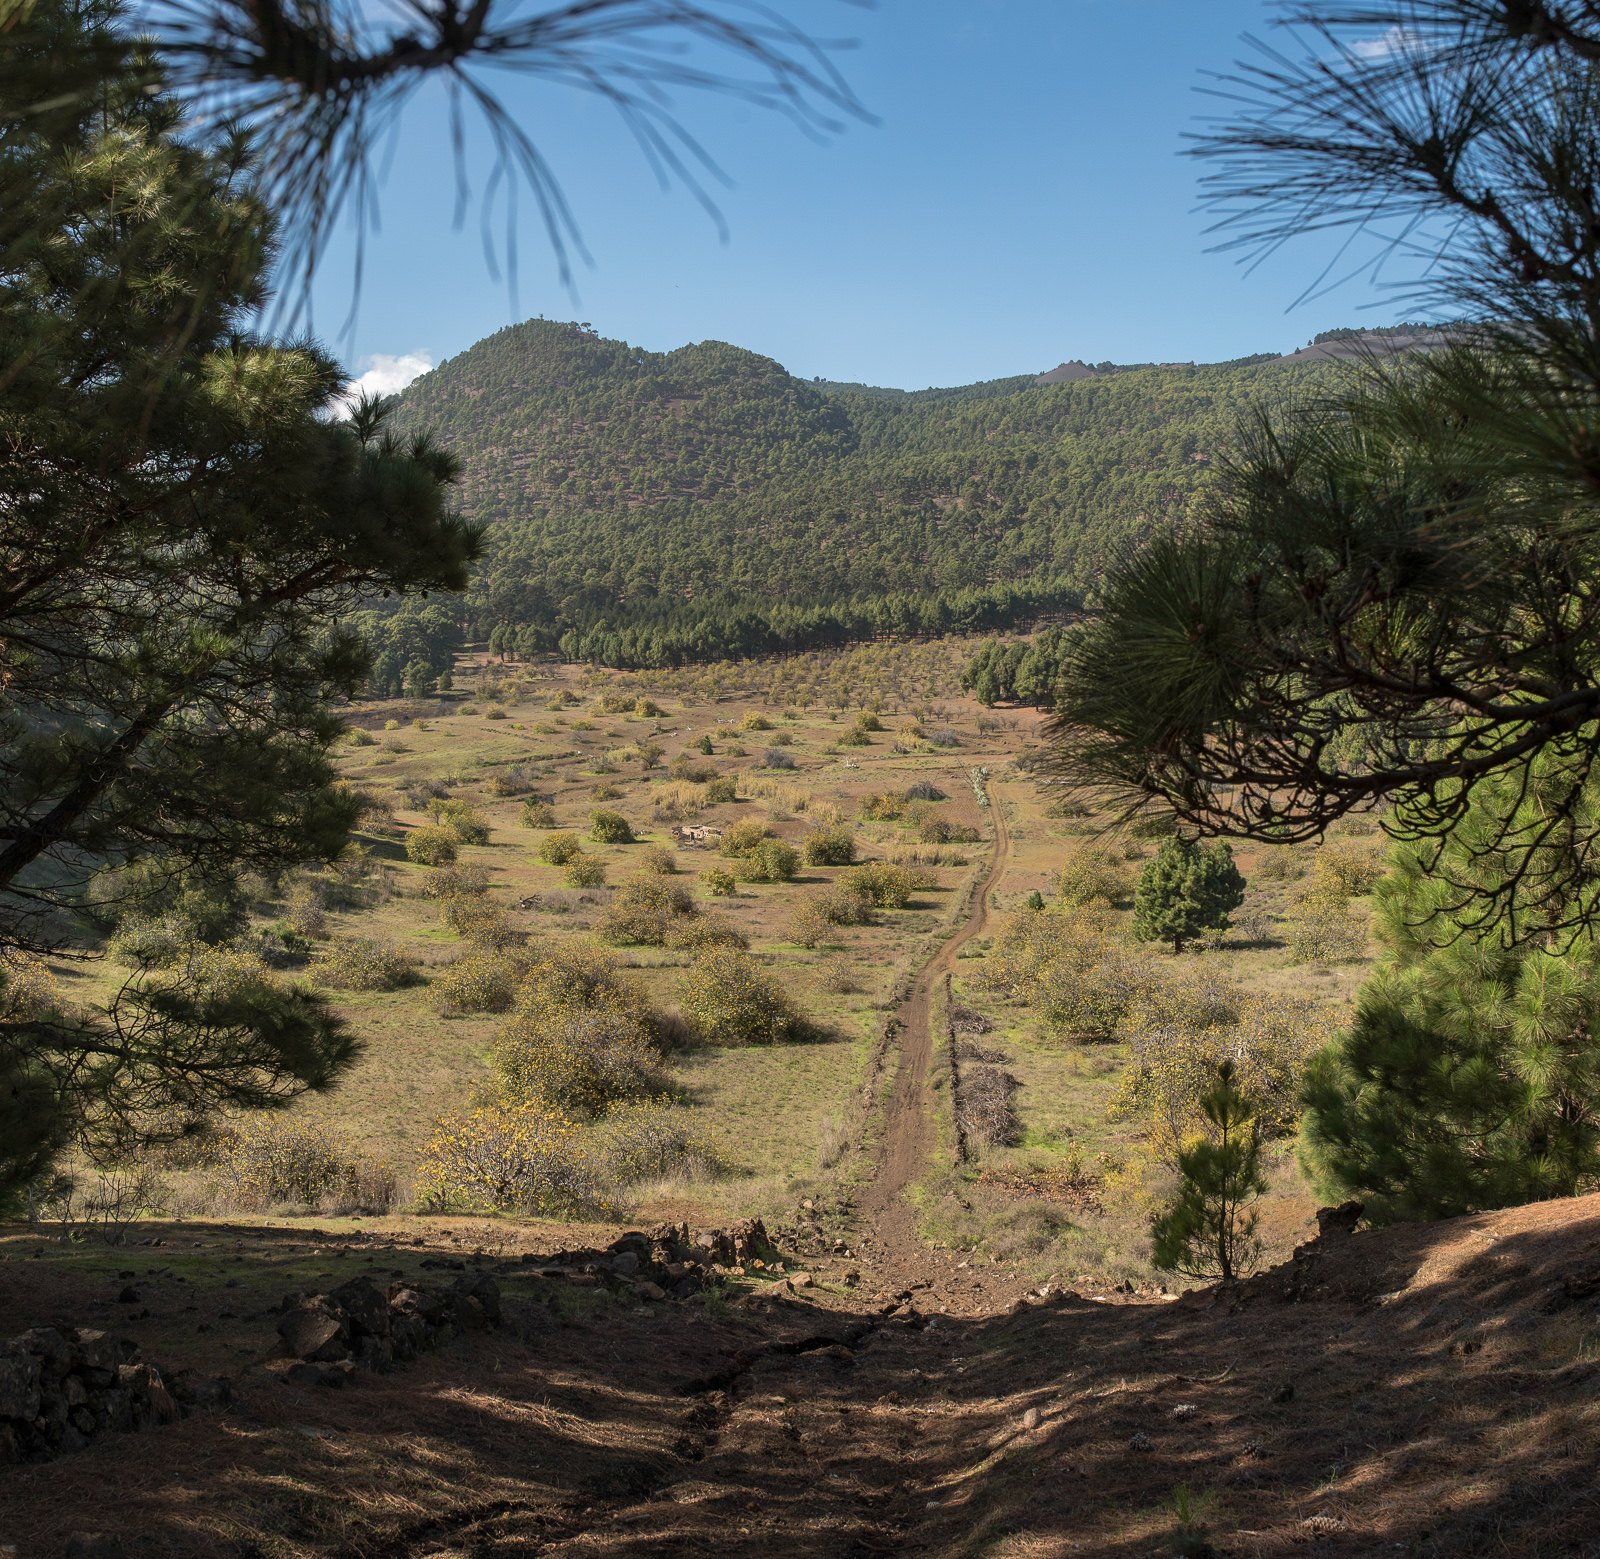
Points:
x=705, y=930
x=755, y=722
x=658, y=859
x=584, y=871
x=431, y=846
x=610, y=828
x=653, y=1137
x=482, y=979
x=520, y=1158
x=727, y=999
x=359, y=963
x=643, y=911
x=808, y=926
x=1092, y=872
x=1182, y=1027
x=302, y=907
x=579, y=1060
x=537, y=814
x=649, y=708
x=274, y=1158
x=883, y=884
x=480, y=919
x=28, y=989
x=558, y=849
x=604, y=791
x=459, y=819
x=448, y=882
x=743, y=837
x=842, y=905
x=1346, y=869
x=582, y=974
x=1324, y=930
x=770, y=861
x=829, y=847
x=868, y=720
x=718, y=882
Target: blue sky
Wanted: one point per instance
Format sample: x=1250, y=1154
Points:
x=1021, y=201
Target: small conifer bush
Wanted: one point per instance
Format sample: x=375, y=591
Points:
x=1186, y=890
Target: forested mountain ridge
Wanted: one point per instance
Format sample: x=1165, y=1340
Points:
x=630, y=489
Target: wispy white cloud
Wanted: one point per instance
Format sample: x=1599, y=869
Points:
x=1393, y=41
x=385, y=374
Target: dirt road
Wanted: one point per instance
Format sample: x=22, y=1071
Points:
x=889, y=1238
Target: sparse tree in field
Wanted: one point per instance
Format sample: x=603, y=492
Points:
x=1210, y=1230
x=1185, y=890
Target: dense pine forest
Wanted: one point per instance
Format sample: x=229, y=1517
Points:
x=654, y=508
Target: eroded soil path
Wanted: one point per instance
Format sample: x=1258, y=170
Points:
x=889, y=1240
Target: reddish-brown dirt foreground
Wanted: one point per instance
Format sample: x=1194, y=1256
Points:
x=1426, y=1390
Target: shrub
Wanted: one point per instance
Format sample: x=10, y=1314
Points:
x=771, y=861
x=604, y=791
x=935, y=830
x=944, y=736
x=577, y=1060
x=925, y=790
x=882, y=884
x=721, y=790
x=1092, y=873
x=855, y=737
x=431, y=846
x=1345, y=869
x=584, y=871
x=28, y=990
x=274, y=1158
x=829, y=847
x=884, y=808
x=718, y=882
x=703, y=931
x=658, y=859
x=537, y=814
x=808, y=925
x=868, y=721
x=302, y=907
x=150, y=942
x=482, y=979
x=359, y=738
x=704, y=744
x=783, y=739
x=776, y=758
x=463, y=821
x=391, y=725
x=523, y=1158
x=361, y=963
x=835, y=975
x=743, y=837
x=736, y=751
x=496, y=714
x=610, y=828
x=581, y=974
x=643, y=911
x=558, y=849
x=478, y=918
x=514, y=781
x=615, y=704
x=651, y=1138
x=420, y=792
x=1282, y=863
x=726, y=999
x=449, y=882
x=844, y=906
x=755, y=722
x=648, y=708
x=1325, y=931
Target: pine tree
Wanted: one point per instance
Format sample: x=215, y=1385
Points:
x=1471, y=1076
x=1185, y=890
x=182, y=512
x=1210, y=1230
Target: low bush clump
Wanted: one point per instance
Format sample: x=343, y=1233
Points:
x=649, y=708
x=1092, y=873
x=359, y=738
x=726, y=999
x=721, y=790
x=1345, y=869
x=935, y=830
x=809, y=926
x=776, y=758
x=580, y=1061
x=643, y=912
x=482, y=979
x=273, y=1158
x=855, y=737
x=944, y=736
x=610, y=828
x=867, y=720
x=835, y=975
x=660, y=860
x=519, y=1158
x=449, y=882
x=478, y=918
x=149, y=941
x=882, y=884
x=743, y=837
x=463, y=821
x=718, y=882
x=431, y=846
x=604, y=791
x=359, y=963
x=925, y=790
x=584, y=871
x=558, y=849
x=517, y=780
x=885, y=807
x=755, y=722
x=771, y=861
x=649, y=1138
x=537, y=814
x=843, y=905
x=703, y=931
x=829, y=847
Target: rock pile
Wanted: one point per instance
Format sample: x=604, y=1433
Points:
x=362, y=1325
x=668, y=1262
x=61, y=1388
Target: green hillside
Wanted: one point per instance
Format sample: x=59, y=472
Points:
x=655, y=507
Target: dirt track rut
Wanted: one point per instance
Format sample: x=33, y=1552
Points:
x=889, y=1238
